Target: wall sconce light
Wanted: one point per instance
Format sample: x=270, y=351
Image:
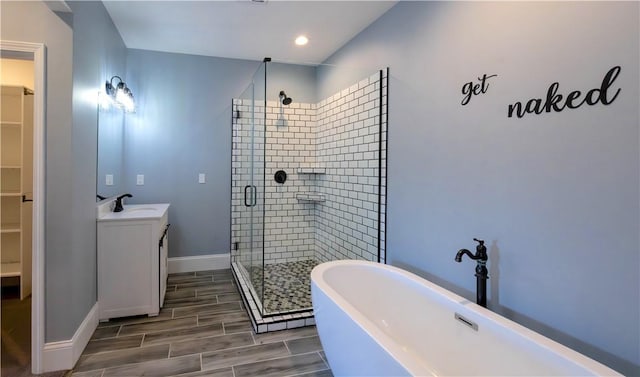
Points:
x=120, y=94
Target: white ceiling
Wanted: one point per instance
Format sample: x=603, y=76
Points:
x=244, y=29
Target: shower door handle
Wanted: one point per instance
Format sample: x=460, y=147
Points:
x=254, y=196
x=246, y=204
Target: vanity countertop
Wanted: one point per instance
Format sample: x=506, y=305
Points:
x=137, y=212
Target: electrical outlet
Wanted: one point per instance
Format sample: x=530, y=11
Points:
x=140, y=179
x=201, y=178
x=109, y=180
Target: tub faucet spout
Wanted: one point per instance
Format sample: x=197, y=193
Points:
x=482, y=274
x=466, y=252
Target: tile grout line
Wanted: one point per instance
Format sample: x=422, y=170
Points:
x=287, y=347
x=324, y=359
x=326, y=363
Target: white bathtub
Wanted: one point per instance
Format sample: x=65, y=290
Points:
x=378, y=320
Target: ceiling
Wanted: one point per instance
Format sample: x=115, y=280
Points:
x=244, y=29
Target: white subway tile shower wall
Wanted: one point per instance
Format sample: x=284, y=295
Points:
x=348, y=143
x=289, y=223
x=324, y=214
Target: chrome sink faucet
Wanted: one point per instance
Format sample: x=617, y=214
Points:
x=481, y=270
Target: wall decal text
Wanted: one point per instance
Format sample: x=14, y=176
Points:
x=555, y=102
x=469, y=89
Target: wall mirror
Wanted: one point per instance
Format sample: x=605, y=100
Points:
x=110, y=151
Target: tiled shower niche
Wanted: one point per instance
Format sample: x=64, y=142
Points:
x=332, y=205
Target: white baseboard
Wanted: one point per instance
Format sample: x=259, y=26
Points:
x=63, y=355
x=200, y=263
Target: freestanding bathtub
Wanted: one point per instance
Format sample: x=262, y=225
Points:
x=378, y=320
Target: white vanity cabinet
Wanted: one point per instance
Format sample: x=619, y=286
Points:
x=132, y=260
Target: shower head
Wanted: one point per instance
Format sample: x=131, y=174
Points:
x=284, y=99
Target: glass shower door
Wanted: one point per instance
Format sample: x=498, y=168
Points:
x=249, y=144
x=257, y=182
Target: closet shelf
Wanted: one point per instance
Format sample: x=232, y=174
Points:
x=11, y=124
x=10, y=269
x=310, y=197
x=10, y=228
x=10, y=193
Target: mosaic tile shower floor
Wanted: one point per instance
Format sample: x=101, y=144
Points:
x=287, y=286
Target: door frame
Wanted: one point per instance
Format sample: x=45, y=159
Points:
x=38, y=230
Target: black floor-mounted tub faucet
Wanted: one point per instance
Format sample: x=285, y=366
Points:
x=481, y=270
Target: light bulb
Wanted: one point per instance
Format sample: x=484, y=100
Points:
x=302, y=40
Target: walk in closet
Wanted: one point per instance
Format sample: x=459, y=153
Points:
x=16, y=185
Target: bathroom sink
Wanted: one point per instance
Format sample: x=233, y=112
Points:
x=136, y=212
x=135, y=209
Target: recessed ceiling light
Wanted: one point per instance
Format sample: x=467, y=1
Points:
x=302, y=40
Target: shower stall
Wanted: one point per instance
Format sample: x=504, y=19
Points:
x=308, y=186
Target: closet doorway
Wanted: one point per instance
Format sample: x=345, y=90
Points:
x=22, y=206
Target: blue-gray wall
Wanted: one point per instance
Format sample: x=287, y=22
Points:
x=77, y=59
x=33, y=22
x=298, y=82
x=555, y=195
x=98, y=54
x=182, y=127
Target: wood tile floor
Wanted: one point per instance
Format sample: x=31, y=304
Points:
x=203, y=330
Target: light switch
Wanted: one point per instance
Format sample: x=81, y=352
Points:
x=201, y=178
x=140, y=179
x=109, y=180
